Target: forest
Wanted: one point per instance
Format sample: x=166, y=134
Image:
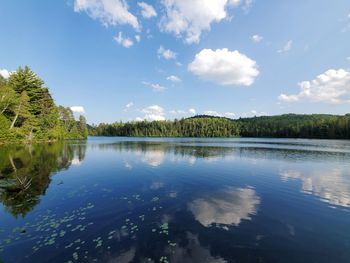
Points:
x=28, y=112
x=319, y=126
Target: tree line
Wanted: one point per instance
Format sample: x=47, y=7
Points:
x=320, y=126
x=194, y=127
x=28, y=111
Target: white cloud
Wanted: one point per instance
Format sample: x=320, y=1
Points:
x=219, y=114
x=128, y=106
x=256, y=38
x=229, y=114
x=108, y=12
x=188, y=19
x=153, y=113
x=183, y=112
x=78, y=109
x=125, y=42
x=166, y=53
x=224, y=67
x=147, y=10
x=155, y=86
x=333, y=86
x=138, y=38
x=253, y=113
x=212, y=113
x=5, y=73
x=192, y=111
x=287, y=47
x=174, y=78
x=248, y=5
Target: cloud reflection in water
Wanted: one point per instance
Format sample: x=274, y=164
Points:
x=332, y=186
x=228, y=207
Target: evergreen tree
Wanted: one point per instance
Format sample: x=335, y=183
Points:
x=28, y=112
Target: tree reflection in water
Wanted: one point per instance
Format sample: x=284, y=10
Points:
x=26, y=170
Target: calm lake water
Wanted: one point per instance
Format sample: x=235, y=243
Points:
x=176, y=200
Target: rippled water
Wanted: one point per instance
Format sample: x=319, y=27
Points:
x=176, y=200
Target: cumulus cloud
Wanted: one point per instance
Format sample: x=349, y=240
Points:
x=212, y=113
x=5, y=73
x=174, y=78
x=166, y=53
x=224, y=67
x=256, y=38
x=125, y=42
x=218, y=114
x=192, y=111
x=253, y=113
x=333, y=86
x=188, y=19
x=287, y=47
x=153, y=113
x=108, y=12
x=229, y=114
x=154, y=86
x=78, y=109
x=147, y=11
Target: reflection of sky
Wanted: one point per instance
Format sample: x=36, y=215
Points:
x=193, y=252
x=332, y=186
x=76, y=161
x=125, y=257
x=154, y=157
x=228, y=207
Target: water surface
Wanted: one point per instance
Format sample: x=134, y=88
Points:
x=176, y=200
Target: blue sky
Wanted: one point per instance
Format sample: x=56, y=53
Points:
x=130, y=60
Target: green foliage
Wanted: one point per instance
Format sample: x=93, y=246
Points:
x=192, y=127
x=28, y=112
x=284, y=126
x=297, y=126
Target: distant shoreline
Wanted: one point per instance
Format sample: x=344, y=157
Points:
x=293, y=126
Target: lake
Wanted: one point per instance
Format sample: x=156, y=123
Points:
x=176, y=200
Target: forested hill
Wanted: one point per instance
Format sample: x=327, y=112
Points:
x=28, y=111
x=284, y=126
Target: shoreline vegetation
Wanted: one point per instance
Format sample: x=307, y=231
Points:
x=313, y=126
x=29, y=114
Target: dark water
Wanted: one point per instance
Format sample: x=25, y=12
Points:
x=176, y=200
